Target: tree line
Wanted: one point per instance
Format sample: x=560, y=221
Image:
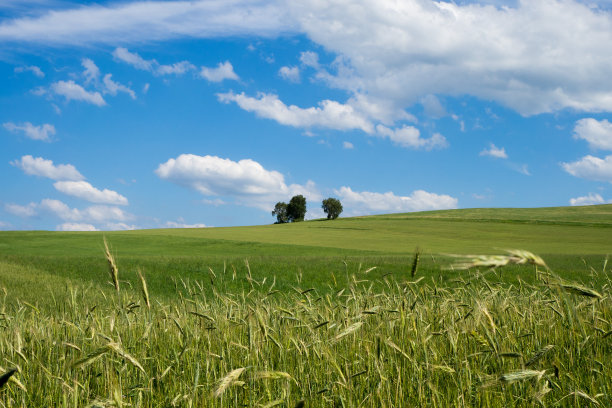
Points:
x=295, y=211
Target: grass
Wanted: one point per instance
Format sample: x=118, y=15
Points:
x=313, y=314
x=415, y=342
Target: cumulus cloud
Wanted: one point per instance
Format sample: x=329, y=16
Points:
x=591, y=168
x=113, y=87
x=598, y=134
x=177, y=68
x=32, y=68
x=180, y=223
x=75, y=226
x=347, y=145
x=75, y=92
x=540, y=56
x=223, y=71
x=329, y=114
x=247, y=181
x=494, y=151
x=95, y=214
x=433, y=107
x=108, y=86
x=85, y=191
x=45, y=168
x=365, y=202
x=131, y=58
x=140, y=21
x=92, y=72
x=409, y=136
x=21, y=210
x=99, y=214
x=590, y=199
x=41, y=132
x=291, y=74
x=520, y=168
x=310, y=59
x=120, y=226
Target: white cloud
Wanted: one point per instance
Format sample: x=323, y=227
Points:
x=334, y=115
x=133, y=59
x=329, y=114
x=45, y=168
x=177, y=68
x=33, y=69
x=92, y=72
x=113, y=87
x=21, y=210
x=310, y=59
x=520, y=168
x=85, y=191
x=591, y=199
x=120, y=226
x=223, y=71
x=365, y=202
x=433, y=107
x=216, y=202
x=74, y=226
x=539, y=56
x=494, y=151
x=180, y=223
x=598, y=134
x=591, y=168
x=409, y=136
x=73, y=91
x=95, y=214
x=4, y=225
x=140, y=21
x=247, y=181
x=291, y=74
x=40, y=132
x=347, y=145
x=136, y=61
x=109, y=217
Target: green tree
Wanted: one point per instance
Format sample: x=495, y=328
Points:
x=332, y=207
x=280, y=212
x=296, y=209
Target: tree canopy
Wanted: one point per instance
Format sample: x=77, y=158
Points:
x=296, y=209
x=280, y=212
x=293, y=212
x=332, y=207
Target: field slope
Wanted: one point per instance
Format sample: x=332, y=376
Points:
x=558, y=230
x=316, y=314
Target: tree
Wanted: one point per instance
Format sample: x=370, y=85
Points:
x=296, y=209
x=280, y=212
x=332, y=207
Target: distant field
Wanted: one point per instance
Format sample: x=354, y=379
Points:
x=558, y=230
x=331, y=313
x=571, y=239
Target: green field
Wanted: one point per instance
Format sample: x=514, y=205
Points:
x=334, y=313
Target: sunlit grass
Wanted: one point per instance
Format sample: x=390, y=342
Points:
x=235, y=337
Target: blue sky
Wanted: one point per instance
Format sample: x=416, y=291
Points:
x=129, y=114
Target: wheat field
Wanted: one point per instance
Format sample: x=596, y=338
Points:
x=365, y=341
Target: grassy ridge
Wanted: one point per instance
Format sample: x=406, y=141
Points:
x=271, y=315
x=573, y=239
x=411, y=343
x=559, y=230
